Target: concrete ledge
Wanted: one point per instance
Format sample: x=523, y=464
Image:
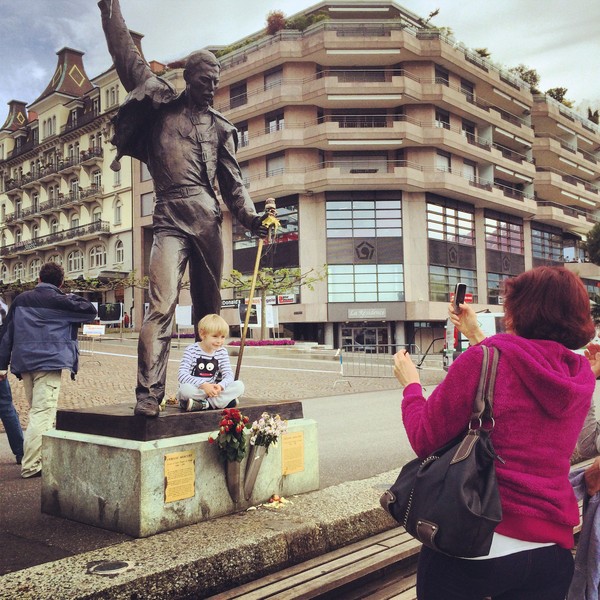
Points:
x=213, y=556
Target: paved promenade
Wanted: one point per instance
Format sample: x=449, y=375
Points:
x=45, y=556
x=109, y=375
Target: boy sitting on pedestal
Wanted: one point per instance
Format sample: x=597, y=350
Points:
x=205, y=375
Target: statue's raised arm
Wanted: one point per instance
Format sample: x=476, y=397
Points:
x=131, y=67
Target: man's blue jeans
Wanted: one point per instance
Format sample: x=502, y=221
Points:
x=10, y=419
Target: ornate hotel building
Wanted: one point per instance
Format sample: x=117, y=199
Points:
x=59, y=200
x=399, y=158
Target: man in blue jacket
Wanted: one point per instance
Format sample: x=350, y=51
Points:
x=40, y=341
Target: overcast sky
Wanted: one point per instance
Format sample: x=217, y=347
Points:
x=558, y=38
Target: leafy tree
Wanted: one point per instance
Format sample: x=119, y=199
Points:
x=595, y=298
x=594, y=115
x=592, y=244
x=528, y=75
x=272, y=281
x=275, y=22
x=81, y=284
x=559, y=93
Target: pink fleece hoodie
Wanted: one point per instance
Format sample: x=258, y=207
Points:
x=543, y=393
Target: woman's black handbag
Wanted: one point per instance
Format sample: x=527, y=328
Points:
x=450, y=500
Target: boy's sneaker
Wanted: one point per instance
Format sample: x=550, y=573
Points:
x=233, y=403
x=194, y=405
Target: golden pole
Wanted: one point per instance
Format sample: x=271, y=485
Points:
x=272, y=223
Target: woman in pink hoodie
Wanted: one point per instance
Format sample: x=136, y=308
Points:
x=542, y=395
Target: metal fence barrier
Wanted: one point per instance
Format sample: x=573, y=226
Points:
x=373, y=360
x=86, y=348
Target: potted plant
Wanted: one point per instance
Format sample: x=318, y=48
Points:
x=231, y=444
x=264, y=432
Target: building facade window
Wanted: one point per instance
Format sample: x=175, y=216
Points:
x=494, y=287
x=18, y=271
x=364, y=219
x=34, y=268
x=238, y=95
x=118, y=210
x=284, y=253
x=442, y=118
x=74, y=188
x=147, y=204
x=504, y=234
x=97, y=179
x=443, y=280
x=442, y=75
x=243, y=135
x=443, y=161
x=144, y=172
x=546, y=244
x=274, y=122
x=119, y=252
x=97, y=256
x=360, y=162
x=54, y=226
x=35, y=232
x=365, y=283
x=273, y=78
x=451, y=246
x=97, y=215
x=364, y=247
x=75, y=261
x=74, y=221
x=275, y=164
x=56, y=258
x=451, y=222
x=117, y=178
x=4, y=273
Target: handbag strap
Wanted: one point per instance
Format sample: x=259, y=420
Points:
x=483, y=404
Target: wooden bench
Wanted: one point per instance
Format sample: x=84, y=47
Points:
x=384, y=564
x=337, y=571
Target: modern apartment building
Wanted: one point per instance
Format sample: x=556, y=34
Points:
x=398, y=157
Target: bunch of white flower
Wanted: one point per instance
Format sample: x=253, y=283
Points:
x=267, y=430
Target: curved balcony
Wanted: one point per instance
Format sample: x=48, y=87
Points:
x=60, y=238
x=557, y=186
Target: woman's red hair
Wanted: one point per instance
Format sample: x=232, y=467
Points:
x=549, y=303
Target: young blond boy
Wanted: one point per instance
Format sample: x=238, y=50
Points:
x=205, y=376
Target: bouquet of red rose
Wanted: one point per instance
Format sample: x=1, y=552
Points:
x=230, y=439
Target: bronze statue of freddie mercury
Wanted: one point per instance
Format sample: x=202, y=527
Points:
x=187, y=146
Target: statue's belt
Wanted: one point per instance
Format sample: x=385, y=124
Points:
x=181, y=192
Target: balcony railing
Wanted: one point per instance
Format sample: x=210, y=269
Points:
x=570, y=179
x=384, y=76
x=81, y=120
x=376, y=29
x=97, y=227
x=92, y=192
x=28, y=145
x=570, y=211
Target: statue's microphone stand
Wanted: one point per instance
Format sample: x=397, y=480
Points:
x=271, y=222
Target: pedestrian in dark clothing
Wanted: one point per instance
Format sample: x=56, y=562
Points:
x=39, y=342
x=8, y=413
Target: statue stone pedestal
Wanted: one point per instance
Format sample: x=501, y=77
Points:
x=98, y=471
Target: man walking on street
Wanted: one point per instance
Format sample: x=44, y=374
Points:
x=40, y=340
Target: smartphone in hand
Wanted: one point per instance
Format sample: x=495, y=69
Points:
x=459, y=296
